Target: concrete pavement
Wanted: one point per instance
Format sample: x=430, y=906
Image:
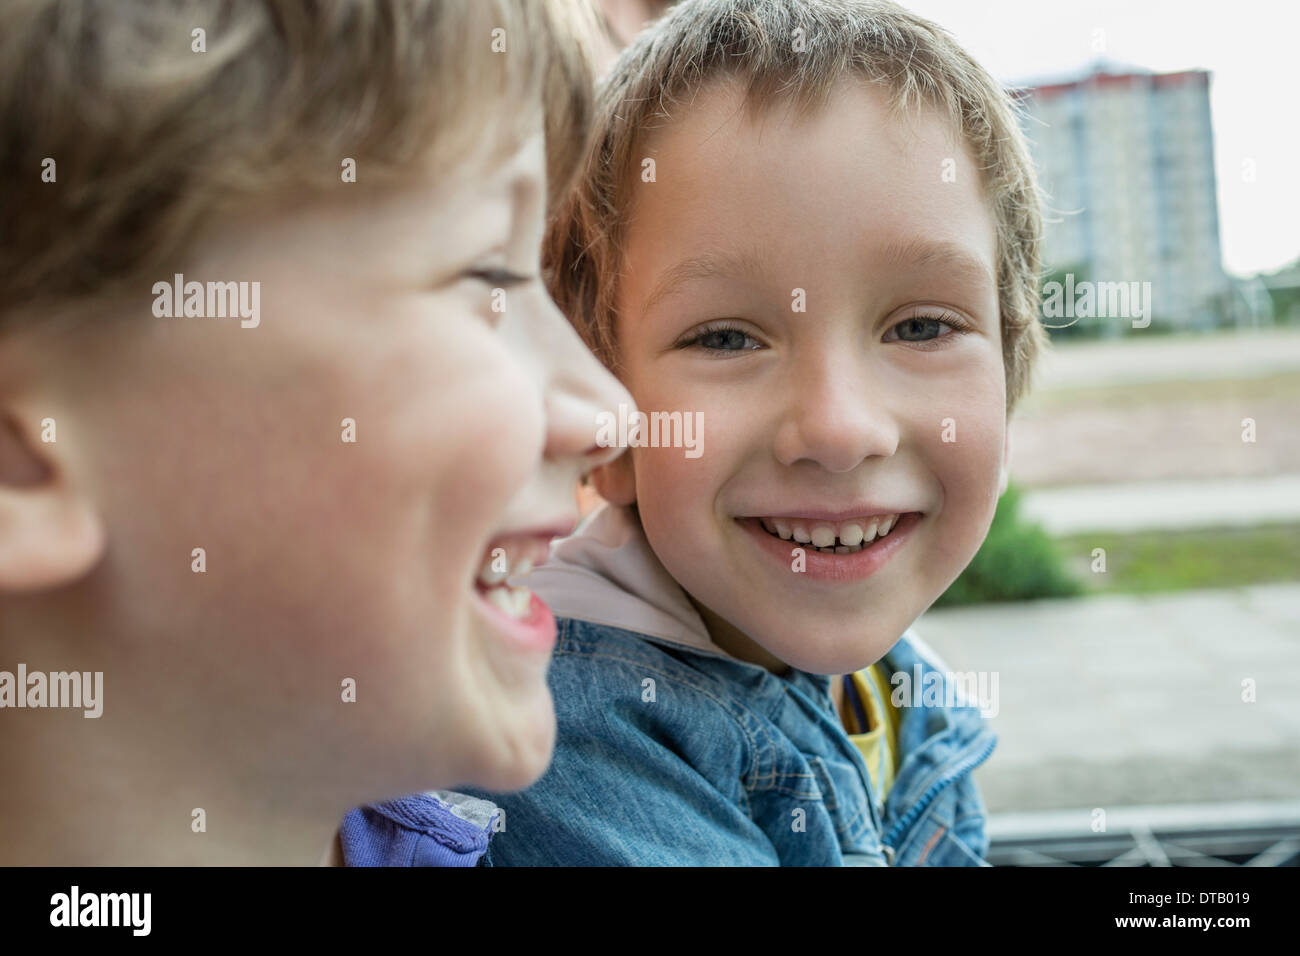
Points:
x=1169, y=504
x=1119, y=700
x=1138, y=358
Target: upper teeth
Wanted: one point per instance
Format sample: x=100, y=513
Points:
x=825, y=535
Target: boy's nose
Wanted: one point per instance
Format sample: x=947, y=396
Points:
x=578, y=391
x=572, y=424
x=836, y=416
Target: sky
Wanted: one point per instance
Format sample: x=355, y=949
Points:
x=1250, y=48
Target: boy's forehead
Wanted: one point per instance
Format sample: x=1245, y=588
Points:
x=499, y=152
x=446, y=207
x=727, y=167
x=725, y=107
x=721, y=134
x=452, y=182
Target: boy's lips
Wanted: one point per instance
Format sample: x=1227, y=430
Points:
x=834, y=515
x=842, y=563
x=513, y=608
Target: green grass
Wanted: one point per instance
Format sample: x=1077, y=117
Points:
x=1019, y=561
x=1181, y=560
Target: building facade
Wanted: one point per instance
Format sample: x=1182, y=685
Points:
x=1127, y=161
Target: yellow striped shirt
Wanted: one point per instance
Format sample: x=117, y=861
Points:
x=867, y=695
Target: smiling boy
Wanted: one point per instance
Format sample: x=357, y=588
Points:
x=270, y=539
x=816, y=225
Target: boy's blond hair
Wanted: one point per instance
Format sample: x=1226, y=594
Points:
x=777, y=48
x=151, y=136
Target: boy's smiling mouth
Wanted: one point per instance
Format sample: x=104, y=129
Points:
x=838, y=537
x=513, y=608
x=843, y=549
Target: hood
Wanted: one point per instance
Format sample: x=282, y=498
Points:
x=606, y=573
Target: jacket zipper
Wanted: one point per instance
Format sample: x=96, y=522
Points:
x=966, y=766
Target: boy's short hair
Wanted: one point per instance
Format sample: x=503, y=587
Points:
x=150, y=136
x=801, y=50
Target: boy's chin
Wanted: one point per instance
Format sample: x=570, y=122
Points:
x=521, y=753
x=840, y=658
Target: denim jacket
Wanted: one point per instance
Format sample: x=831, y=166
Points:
x=672, y=752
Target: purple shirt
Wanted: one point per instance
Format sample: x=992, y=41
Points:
x=440, y=828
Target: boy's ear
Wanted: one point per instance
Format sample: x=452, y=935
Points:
x=615, y=480
x=1006, y=463
x=50, y=534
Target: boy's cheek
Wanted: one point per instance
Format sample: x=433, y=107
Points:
x=967, y=469
x=677, y=500
x=355, y=471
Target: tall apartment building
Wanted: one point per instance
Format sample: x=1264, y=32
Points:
x=1127, y=159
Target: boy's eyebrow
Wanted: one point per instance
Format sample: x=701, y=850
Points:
x=915, y=252
x=923, y=252
x=706, y=266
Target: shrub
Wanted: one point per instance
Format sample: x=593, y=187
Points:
x=1018, y=561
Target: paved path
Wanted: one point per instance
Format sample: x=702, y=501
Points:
x=1120, y=700
x=1138, y=358
x=1163, y=408
x=1172, y=504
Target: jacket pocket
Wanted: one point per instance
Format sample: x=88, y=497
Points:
x=948, y=849
x=950, y=832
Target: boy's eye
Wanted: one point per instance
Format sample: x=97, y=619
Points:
x=721, y=339
x=498, y=278
x=927, y=328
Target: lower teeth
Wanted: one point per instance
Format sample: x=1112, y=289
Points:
x=510, y=600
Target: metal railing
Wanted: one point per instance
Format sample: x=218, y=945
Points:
x=1203, y=834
